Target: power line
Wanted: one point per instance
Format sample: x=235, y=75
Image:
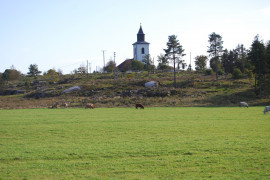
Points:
x=70, y=65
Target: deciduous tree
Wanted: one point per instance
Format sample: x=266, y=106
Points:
x=148, y=63
x=111, y=66
x=200, y=62
x=163, y=62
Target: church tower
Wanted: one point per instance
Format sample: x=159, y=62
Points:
x=141, y=47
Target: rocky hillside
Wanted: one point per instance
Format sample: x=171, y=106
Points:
x=124, y=90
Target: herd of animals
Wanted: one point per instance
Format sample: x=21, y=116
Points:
x=244, y=104
x=139, y=105
x=88, y=105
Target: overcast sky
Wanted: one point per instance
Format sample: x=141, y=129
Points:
x=66, y=33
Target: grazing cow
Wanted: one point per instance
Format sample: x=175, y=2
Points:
x=55, y=105
x=139, y=106
x=243, y=104
x=65, y=105
x=89, y=105
x=266, y=109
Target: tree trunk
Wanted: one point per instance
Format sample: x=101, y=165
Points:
x=174, y=71
x=256, y=85
x=216, y=69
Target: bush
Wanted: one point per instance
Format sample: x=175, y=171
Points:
x=220, y=72
x=250, y=74
x=208, y=72
x=237, y=74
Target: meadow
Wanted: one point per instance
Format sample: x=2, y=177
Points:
x=125, y=143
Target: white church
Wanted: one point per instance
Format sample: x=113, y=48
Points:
x=140, y=50
x=141, y=47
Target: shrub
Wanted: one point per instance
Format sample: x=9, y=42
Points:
x=236, y=73
x=220, y=72
x=208, y=72
x=129, y=76
x=250, y=74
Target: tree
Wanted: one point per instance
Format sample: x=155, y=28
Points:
x=257, y=58
x=189, y=68
x=163, y=62
x=52, y=75
x=240, y=57
x=110, y=66
x=33, y=70
x=228, y=60
x=267, y=57
x=148, y=63
x=215, y=49
x=137, y=65
x=174, y=52
x=200, y=62
x=11, y=74
x=82, y=70
x=59, y=72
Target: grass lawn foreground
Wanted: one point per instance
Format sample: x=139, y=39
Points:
x=125, y=143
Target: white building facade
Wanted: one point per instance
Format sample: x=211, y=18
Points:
x=141, y=47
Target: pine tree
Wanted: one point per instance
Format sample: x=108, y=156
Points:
x=215, y=49
x=174, y=52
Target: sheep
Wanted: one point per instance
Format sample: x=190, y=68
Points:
x=138, y=105
x=243, y=104
x=89, y=105
x=266, y=109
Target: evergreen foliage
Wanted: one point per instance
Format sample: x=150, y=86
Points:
x=33, y=70
x=215, y=49
x=174, y=52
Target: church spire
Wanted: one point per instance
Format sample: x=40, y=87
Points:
x=140, y=35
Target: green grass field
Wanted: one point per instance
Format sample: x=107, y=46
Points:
x=125, y=143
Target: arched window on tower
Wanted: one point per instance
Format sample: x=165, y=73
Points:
x=142, y=50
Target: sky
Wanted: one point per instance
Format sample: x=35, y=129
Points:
x=64, y=34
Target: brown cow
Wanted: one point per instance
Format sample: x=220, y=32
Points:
x=138, y=105
x=65, y=105
x=55, y=105
x=89, y=105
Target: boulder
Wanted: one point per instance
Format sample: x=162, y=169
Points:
x=151, y=84
x=71, y=89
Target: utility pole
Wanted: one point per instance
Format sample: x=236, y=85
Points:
x=87, y=68
x=114, y=64
x=190, y=61
x=90, y=67
x=103, y=60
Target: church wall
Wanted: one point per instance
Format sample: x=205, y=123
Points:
x=137, y=51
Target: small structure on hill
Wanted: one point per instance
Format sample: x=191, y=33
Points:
x=125, y=66
x=141, y=47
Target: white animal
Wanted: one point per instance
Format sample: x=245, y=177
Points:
x=266, y=109
x=243, y=104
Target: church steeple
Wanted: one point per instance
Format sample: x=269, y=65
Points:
x=140, y=35
x=141, y=47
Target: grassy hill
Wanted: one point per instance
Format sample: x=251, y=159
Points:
x=126, y=89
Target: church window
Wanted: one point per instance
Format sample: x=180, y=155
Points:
x=142, y=50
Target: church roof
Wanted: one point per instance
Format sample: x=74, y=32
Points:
x=140, y=30
x=140, y=37
x=141, y=42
